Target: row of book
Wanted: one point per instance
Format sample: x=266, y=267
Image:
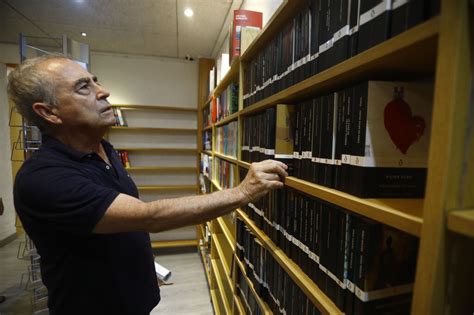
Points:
x=123, y=155
x=363, y=266
x=370, y=140
x=207, y=140
x=324, y=34
x=119, y=117
x=226, y=139
x=224, y=173
x=270, y=281
x=228, y=101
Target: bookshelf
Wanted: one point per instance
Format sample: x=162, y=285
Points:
x=439, y=47
x=160, y=146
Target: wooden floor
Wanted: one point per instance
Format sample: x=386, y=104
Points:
x=188, y=293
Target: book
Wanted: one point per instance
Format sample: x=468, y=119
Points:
x=374, y=23
x=243, y=18
x=391, y=125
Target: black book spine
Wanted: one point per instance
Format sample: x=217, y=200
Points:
x=297, y=142
x=352, y=263
x=332, y=250
x=354, y=27
x=374, y=23
x=323, y=247
x=358, y=144
x=346, y=145
x=271, y=133
x=314, y=35
x=326, y=138
x=341, y=105
x=316, y=143
x=343, y=242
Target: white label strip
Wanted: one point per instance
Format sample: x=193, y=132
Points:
x=398, y=3
x=365, y=296
x=341, y=33
x=379, y=9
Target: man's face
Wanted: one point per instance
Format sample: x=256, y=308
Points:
x=82, y=102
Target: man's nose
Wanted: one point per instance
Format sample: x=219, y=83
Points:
x=102, y=93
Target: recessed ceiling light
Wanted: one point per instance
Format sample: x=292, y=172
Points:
x=84, y=34
x=188, y=12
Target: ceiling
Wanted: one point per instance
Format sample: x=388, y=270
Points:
x=143, y=27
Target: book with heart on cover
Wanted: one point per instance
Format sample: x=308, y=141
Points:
x=390, y=137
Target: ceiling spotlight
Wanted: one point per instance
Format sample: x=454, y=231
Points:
x=188, y=12
x=84, y=34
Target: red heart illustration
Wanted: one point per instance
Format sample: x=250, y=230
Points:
x=403, y=128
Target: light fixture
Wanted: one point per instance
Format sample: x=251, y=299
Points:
x=84, y=34
x=188, y=12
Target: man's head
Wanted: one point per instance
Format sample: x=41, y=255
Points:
x=57, y=94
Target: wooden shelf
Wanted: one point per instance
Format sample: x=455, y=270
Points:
x=230, y=76
x=216, y=184
x=164, y=150
x=152, y=129
x=175, y=169
x=228, y=235
x=220, y=285
x=403, y=214
x=263, y=305
x=174, y=243
x=170, y=187
x=311, y=290
x=462, y=222
x=215, y=302
x=154, y=107
x=226, y=157
x=207, y=152
x=206, y=268
x=411, y=53
x=220, y=252
x=207, y=128
x=208, y=101
x=227, y=120
x=239, y=305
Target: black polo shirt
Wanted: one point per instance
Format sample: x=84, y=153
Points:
x=60, y=195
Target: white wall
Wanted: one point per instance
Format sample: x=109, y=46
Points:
x=7, y=220
x=9, y=53
x=147, y=80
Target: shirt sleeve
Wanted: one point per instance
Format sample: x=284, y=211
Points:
x=62, y=199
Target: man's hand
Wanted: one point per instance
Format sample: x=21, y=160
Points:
x=261, y=178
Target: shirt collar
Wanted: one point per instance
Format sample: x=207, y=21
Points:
x=54, y=144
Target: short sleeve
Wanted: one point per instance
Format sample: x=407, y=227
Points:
x=62, y=199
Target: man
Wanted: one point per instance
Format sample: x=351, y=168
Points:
x=81, y=208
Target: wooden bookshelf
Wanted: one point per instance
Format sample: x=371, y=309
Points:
x=220, y=285
x=228, y=235
x=410, y=53
x=263, y=306
x=173, y=130
x=154, y=107
x=174, y=169
x=403, y=214
x=239, y=306
x=312, y=291
x=207, y=152
x=215, y=301
x=231, y=76
x=220, y=252
x=227, y=120
x=159, y=150
x=174, y=243
x=462, y=222
x=226, y=157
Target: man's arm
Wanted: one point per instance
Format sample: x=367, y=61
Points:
x=127, y=213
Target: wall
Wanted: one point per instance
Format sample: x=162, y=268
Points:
x=7, y=220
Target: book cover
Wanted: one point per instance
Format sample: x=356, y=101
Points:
x=284, y=141
x=386, y=271
x=243, y=18
x=392, y=132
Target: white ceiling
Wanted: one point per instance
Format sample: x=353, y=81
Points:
x=144, y=27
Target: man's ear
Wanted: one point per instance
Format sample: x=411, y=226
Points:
x=47, y=112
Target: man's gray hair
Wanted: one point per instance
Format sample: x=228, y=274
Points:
x=29, y=84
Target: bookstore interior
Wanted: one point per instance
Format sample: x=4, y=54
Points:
x=368, y=103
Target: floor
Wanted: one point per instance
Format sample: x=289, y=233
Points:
x=187, y=292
